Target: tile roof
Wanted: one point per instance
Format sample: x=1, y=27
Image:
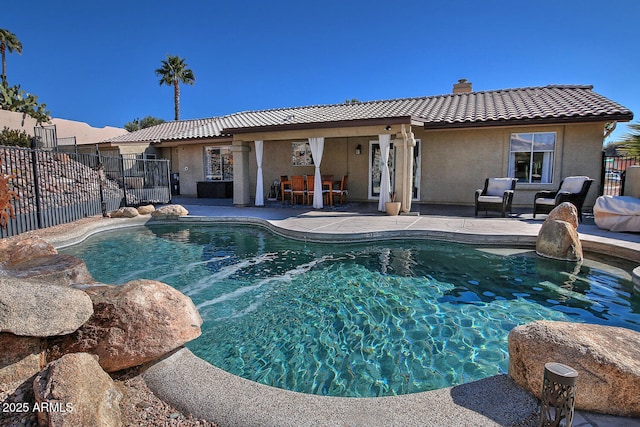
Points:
x=547, y=104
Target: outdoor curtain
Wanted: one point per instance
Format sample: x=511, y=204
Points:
x=317, y=148
x=259, y=180
x=385, y=178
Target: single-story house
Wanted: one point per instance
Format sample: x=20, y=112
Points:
x=440, y=148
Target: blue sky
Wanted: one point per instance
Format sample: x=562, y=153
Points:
x=94, y=61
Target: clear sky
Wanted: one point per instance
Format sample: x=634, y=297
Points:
x=94, y=61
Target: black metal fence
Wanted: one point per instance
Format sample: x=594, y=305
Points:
x=55, y=188
x=613, y=173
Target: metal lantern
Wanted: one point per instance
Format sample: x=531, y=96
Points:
x=558, y=395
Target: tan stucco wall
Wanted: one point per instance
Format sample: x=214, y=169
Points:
x=84, y=133
x=454, y=163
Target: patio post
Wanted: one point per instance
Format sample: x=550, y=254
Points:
x=241, y=190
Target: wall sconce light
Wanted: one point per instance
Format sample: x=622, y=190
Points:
x=388, y=128
x=358, y=149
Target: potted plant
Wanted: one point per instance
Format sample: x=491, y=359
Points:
x=392, y=207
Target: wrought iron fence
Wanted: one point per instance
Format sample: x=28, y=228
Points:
x=55, y=188
x=613, y=173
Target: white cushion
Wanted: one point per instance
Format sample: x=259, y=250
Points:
x=490, y=199
x=497, y=186
x=543, y=201
x=573, y=184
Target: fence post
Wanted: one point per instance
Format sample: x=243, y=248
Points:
x=36, y=184
x=124, y=181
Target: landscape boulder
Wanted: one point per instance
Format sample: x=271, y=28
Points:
x=169, y=212
x=146, y=209
x=55, y=269
x=23, y=248
x=607, y=360
x=39, y=309
x=75, y=391
x=558, y=237
x=126, y=212
x=20, y=357
x=133, y=323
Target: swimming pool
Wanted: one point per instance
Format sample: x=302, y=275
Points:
x=359, y=319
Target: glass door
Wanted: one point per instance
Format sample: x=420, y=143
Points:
x=375, y=168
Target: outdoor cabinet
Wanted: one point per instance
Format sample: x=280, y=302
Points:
x=215, y=189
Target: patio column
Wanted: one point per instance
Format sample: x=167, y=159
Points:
x=404, y=143
x=241, y=191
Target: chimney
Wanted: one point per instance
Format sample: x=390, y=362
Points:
x=463, y=86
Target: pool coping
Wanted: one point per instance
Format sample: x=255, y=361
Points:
x=196, y=387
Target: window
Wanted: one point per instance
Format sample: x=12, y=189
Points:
x=301, y=154
x=532, y=157
x=218, y=164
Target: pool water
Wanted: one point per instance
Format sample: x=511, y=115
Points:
x=359, y=319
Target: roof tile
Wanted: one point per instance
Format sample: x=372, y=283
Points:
x=552, y=103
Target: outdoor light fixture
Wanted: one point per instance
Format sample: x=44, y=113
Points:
x=388, y=128
x=358, y=149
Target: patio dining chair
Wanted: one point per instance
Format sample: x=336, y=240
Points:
x=285, y=188
x=297, y=189
x=573, y=189
x=496, y=195
x=342, y=191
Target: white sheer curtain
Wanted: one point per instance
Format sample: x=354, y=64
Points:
x=385, y=178
x=317, y=148
x=259, y=178
x=547, y=168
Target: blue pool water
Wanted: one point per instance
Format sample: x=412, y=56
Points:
x=361, y=319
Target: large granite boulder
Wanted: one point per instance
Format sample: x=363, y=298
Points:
x=55, y=269
x=132, y=324
x=126, y=212
x=75, y=391
x=146, y=209
x=23, y=248
x=169, y=212
x=20, y=357
x=565, y=212
x=40, y=310
x=607, y=360
x=558, y=237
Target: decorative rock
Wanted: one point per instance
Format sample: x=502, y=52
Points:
x=79, y=390
x=132, y=324
x=559, y=240
x=558, y=237
x=54, y=269
x=23, y=248
x=41, y=310
x=169, y=212
x=126, y=212
x=607, y=360
x=20, y=357
x=565, y=211
x=146, y=210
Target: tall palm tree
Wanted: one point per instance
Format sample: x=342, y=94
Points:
x=8, y=42
x=173, y=72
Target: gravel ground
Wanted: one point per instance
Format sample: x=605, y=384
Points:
x=138, y=407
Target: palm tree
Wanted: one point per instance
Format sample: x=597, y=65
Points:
x=8, y=42
x=173, y=72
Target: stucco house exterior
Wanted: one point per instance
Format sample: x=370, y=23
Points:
x=441, y=148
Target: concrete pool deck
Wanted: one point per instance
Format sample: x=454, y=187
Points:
x=194, y=386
